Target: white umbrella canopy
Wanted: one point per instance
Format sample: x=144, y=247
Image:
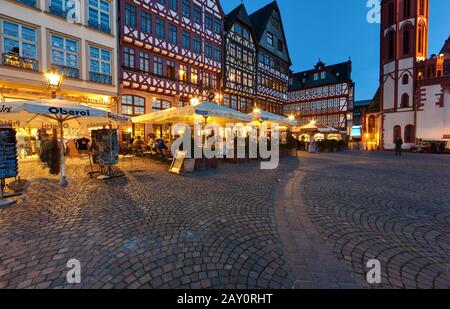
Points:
x=310, y=127
x=38, y=112
x=328, y=129
x=187, y=114
x=57, y=112
x=267, y=117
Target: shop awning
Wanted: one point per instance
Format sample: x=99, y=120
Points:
x=188, y=114
x=270, y=118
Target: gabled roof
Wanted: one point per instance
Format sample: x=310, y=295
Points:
x=446, y=48
x=238, y=14
x=337, y=73
x=373, y=105
x=260, y=19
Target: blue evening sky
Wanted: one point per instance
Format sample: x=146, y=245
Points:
x=334, y=30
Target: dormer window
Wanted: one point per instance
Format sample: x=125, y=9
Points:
x=269, y=38
x=316, y=76
x=323, y=75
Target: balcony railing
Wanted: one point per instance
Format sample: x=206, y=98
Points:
x=19, y=62
x=95, y=25
x=57, y=11
x=32, y=3
x=66, y=71
x=100, y=78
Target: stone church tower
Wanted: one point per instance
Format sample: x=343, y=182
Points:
x=404, y=42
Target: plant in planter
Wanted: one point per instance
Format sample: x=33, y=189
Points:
x=289, y=149
x=340, y=145
x=214, y=162
x=333, y=145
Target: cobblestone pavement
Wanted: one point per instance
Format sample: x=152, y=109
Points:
x=376, y=205
x=312, y=223
x=150, y=229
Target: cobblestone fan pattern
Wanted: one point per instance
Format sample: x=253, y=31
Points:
x=150, y=229
x=396, y=210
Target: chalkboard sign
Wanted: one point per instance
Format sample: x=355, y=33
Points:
x=177, y=163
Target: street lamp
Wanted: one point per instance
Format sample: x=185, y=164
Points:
x=195, y=101
x=54, y=81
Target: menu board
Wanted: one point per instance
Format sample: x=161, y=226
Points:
x=177, y=163
x=105, y=144
x=9, y=166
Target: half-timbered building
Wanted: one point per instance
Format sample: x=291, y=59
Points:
x=170, y=53
x=324, y=95
x=239, y=76
x=273, y=59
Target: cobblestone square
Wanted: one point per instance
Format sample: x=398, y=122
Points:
x=312, y=223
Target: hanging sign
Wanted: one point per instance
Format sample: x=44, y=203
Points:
x=202, y=113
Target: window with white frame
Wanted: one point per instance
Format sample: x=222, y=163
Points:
x=59, y=7
x=100, y=15
x=144, y=62
x=133, y=105
x=269, y=38
x=18, y=45
x=100, y=65
x=64, y=56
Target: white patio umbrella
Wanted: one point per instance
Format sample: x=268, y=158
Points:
x=328, y=129
x=187, y=114
x=57, y=112
x=267, y=117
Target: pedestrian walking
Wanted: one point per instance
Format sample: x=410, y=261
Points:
x=398, y=146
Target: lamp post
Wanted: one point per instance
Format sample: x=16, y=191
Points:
x=54, y=81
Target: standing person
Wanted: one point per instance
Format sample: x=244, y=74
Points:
x=442, y=148
x=398, y=146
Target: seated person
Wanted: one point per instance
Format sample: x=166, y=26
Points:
x=161, y=146
x=151, y=144
x=138, y=144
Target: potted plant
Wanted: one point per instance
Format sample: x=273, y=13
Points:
x=289, y=149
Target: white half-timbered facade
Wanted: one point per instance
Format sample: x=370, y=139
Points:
x=324, y=95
